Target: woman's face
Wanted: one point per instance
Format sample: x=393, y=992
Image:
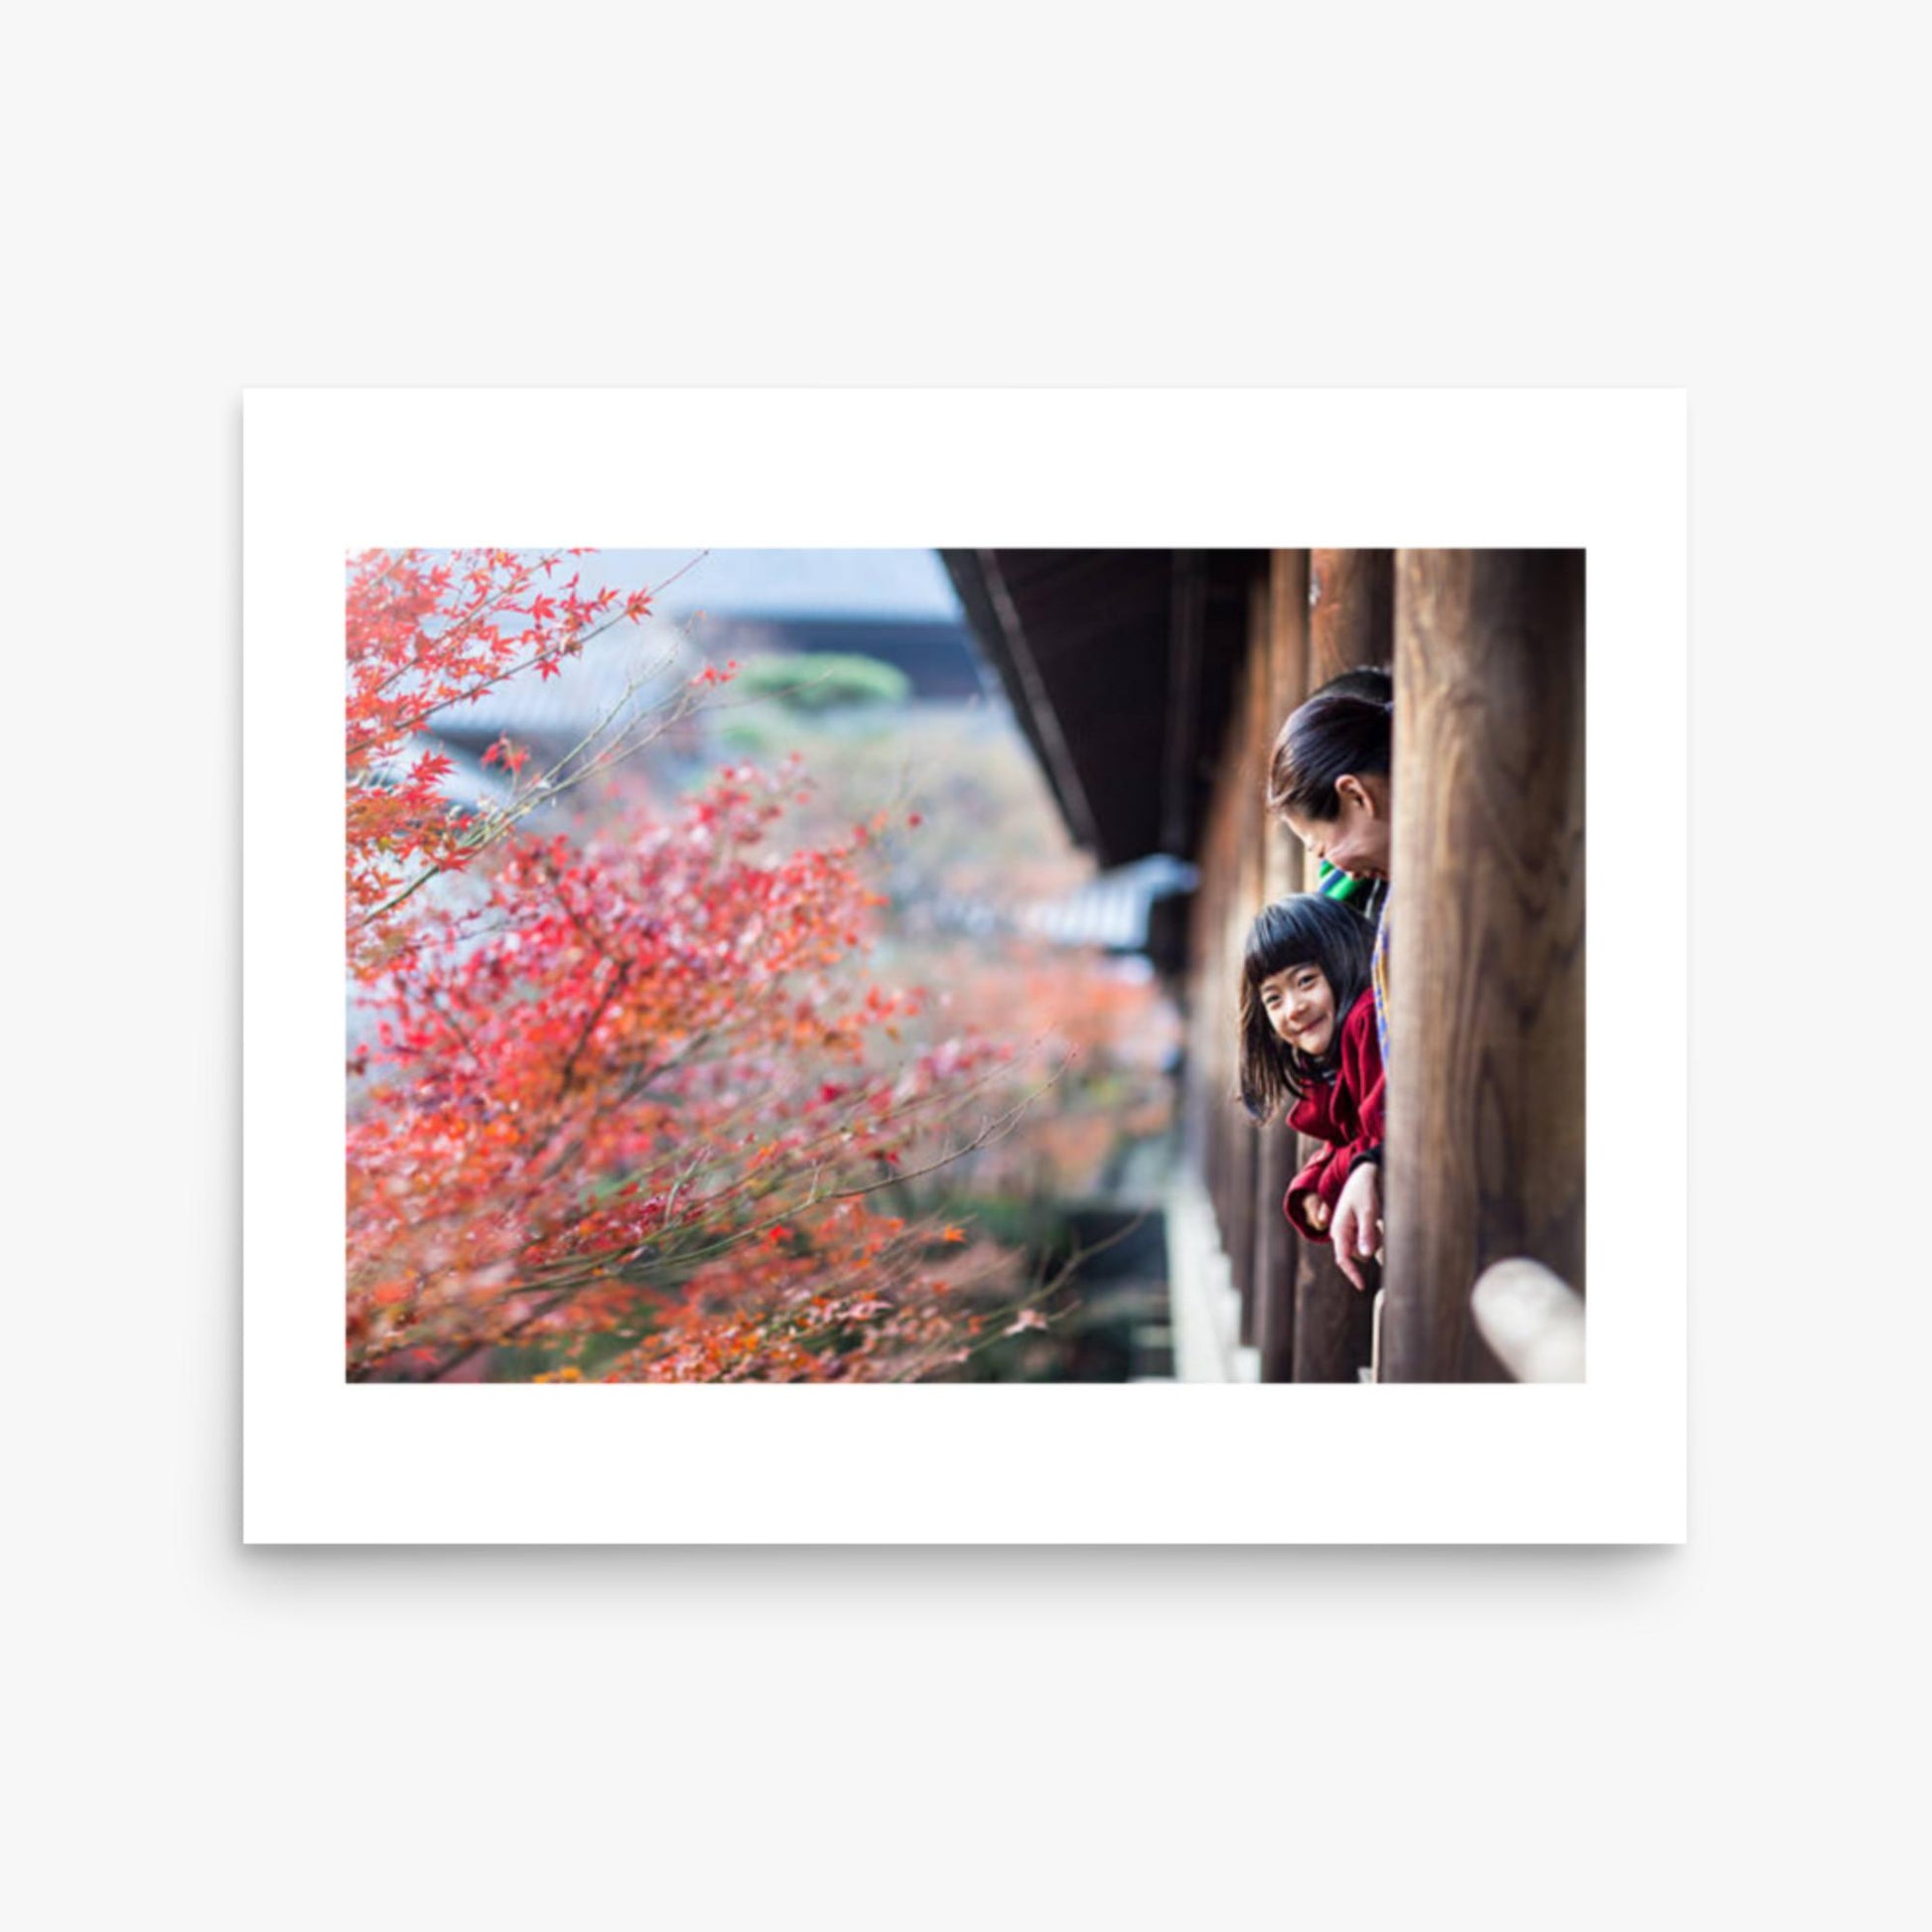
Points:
x=1357, y=840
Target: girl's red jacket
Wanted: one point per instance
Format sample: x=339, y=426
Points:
x=1347, y=1111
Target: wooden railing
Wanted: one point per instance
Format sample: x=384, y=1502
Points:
x=1532, y=1320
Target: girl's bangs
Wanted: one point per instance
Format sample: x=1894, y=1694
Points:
x=1275, y=943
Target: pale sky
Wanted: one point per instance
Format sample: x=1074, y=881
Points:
x=787, y=583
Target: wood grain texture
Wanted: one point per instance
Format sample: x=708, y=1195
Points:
x=1351, y=622
x=1486, y=1023
x=1246, y=764
x=1212, y=1016
x=1332, y=1331
x=1351, y=618
x=1277, y=1247
x=1276, y=1244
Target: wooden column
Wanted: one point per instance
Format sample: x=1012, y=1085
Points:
x=1486, y=975
x=1351, y=605
x=1277, y=1244
x=1211, y=1020
x=1351, y=621
x=1242, y=779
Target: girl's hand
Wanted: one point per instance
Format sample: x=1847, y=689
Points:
x=1358, y=1221
x=1316, y=1210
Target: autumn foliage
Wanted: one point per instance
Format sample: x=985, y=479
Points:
x=426, y=636
x=633, y=1109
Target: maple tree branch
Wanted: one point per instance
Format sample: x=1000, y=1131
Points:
x=486, y=599
x=597, y=1012
x=497, y=823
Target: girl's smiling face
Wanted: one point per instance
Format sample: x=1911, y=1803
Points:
x=1301, y=1007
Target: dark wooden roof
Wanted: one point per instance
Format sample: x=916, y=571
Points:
x=1121, y=665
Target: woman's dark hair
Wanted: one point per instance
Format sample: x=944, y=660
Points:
x=1344, y=726
x=1306, y=930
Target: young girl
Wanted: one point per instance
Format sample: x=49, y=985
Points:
x=1307, y=1035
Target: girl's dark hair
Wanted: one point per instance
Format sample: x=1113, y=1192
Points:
x=1344, y=726
x=1306, y=930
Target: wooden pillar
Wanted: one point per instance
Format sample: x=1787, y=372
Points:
x=1262, y=866
x=1351, y=605
x=1486, y=976
x=1242, y=777
x=1212, y=1016
x=1352, y=620
x=1276, y=1245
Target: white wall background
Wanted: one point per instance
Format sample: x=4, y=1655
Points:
x=209, y=197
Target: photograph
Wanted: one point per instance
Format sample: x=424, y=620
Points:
x=1011, y=965
x=1008, y=1150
